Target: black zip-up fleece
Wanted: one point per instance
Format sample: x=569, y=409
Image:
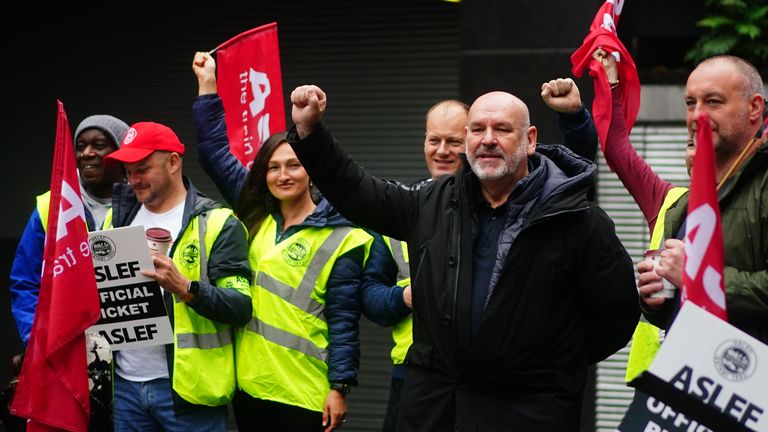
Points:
x=564, y=296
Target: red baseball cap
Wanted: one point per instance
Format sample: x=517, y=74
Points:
x=143, y=139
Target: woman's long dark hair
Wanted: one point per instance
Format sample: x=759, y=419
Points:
x=256, y=202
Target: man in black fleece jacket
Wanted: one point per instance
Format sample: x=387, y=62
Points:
x=519, y=282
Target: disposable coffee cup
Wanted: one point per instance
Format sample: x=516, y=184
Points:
x=667, y=288
x=158, y=239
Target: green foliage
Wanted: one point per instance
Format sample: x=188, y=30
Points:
x=737, y=27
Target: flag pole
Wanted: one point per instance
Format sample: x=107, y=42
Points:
x=241, y=35
x=744, y=151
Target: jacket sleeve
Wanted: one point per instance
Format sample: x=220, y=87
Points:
x=647, y=188
x=658, y=317
x=747, y=294
x=386, y=207
x=579, y=133
x=381, y=296
x=213, y=148
x=607, y=281
x=25, y=275
x=342, y=313
x=228, y=299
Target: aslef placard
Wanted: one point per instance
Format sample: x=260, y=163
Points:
x=711, y=371
x=133, y=313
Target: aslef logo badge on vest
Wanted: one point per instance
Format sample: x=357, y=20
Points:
x=102, y=248
x=190, y=254
x=241, y=281
x=735, y=360
x=297, y=253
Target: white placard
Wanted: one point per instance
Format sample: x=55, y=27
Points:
x=718, y=364
x=133, y=313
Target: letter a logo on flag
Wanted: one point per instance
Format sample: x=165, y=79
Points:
x=53, y=386
x=703, y=272
x=250, y=85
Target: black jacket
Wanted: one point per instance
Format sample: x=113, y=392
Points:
x=565, y=295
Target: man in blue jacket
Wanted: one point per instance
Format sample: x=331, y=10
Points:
x=95, y=137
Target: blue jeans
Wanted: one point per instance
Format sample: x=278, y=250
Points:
x=148, y=406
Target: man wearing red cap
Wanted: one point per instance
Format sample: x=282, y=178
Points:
x=187, y=385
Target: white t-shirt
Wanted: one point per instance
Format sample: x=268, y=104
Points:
x=148, y=363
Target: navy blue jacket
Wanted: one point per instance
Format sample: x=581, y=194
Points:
x=344, y=286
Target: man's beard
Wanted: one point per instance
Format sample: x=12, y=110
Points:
x=729, y=143
x=498, y=171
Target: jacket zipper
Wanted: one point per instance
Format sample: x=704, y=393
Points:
x=536, y=221
x=457, y=251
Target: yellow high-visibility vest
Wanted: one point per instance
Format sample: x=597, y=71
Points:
x=203, y=355
x=402, y=332
x=43, y=202
x=281, y=353
x=645, y=340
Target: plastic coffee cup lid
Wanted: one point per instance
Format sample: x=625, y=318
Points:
x=159, y=234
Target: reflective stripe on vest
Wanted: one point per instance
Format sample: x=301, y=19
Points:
x=282, y=351
x=645, y=340
x=286, y=339
x=402, y=332
x=399, y=251
x=301, y=296
x=204, y=341
x=43, y=203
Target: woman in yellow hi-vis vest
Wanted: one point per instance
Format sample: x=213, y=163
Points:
x=298, y=356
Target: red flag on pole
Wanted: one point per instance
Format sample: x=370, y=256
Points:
x=250, y=85
x=53, y=386
x=602, y=34
x=703, y=273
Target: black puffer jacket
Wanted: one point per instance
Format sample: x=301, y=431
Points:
x=565, y=295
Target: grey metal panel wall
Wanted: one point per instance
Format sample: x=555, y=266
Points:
x=662, y=145
x=383, y=65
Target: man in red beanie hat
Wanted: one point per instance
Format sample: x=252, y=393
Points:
x=186, y=385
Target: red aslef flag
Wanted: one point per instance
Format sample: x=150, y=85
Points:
x=703, y=273
x=602, y=34
x=250, y=85
x=53, y=386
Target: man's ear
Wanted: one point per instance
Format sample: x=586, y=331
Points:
x=757, y=107
x=532, y=134
x=174, y=162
